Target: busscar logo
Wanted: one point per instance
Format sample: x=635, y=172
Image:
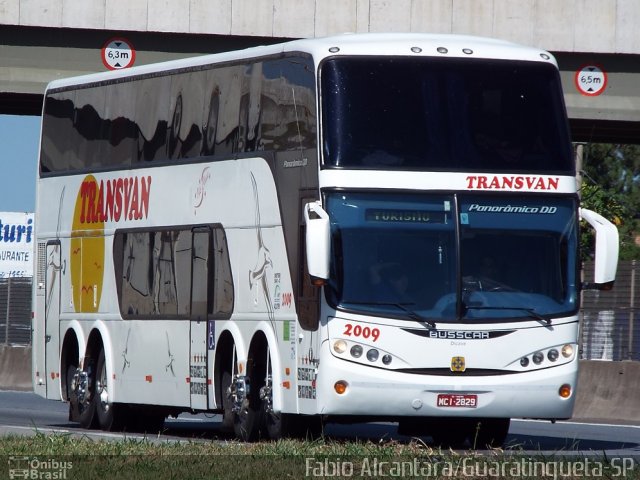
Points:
x=457, y=334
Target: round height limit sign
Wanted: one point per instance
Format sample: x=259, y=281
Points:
x=118, y=53
x=590, y=80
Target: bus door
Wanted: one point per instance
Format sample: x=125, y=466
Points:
x=52, y=318
x=201, y=259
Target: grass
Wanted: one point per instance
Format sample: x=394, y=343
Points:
x=69, y=457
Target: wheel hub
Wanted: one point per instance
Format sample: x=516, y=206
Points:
x=238, y=392
x=266, y=395
x=81, y=381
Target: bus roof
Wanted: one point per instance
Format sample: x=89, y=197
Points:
x=385, y=44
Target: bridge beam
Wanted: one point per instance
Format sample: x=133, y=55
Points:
x=30, y=57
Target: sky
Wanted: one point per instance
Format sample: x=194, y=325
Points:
x=19, y=138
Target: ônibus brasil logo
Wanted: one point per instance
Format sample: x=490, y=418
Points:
x=111, y=200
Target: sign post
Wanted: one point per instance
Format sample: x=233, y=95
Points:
x=590, y=80
x=118, y=53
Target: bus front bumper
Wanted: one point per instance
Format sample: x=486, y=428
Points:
x=384, y=393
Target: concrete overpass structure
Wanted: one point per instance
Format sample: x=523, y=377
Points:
x=43, y=40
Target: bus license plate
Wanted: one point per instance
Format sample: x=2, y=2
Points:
x=457, y=400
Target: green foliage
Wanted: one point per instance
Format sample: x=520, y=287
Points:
x=611, y=187
x=75, y=456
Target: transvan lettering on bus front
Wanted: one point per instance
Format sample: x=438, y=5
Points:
x=483, y=182
x=119, y=199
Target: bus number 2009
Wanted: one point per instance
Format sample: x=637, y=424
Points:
x=359, y=331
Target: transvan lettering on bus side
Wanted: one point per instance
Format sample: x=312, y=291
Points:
x=504, y=182
x=116, y=199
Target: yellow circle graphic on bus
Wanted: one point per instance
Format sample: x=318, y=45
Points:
x=86, y=257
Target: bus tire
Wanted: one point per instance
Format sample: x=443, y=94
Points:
x=274, y=425
x=227, y=414
x=111, y=416
x=83, y=413
x=287, y=425
x=247, y=421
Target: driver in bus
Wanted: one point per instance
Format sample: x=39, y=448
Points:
x=390, y=283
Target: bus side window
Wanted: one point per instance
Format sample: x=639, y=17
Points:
x=223, y=293
x=133, y=259
x=200, y=267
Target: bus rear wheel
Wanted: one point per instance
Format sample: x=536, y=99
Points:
x=111, y=416
x=80, y=391
x=249, y=417
x=275, y=423
x=227, y=406
x=285, y=425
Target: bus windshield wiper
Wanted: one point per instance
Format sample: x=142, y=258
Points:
x=531, y=311
x=414, y=315
x=401, y=306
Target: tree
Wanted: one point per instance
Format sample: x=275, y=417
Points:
x=611, y=187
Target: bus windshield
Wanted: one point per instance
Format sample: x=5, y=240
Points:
x=423, y=113
x=437, y=257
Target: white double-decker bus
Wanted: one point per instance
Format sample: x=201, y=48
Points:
x=356, y=228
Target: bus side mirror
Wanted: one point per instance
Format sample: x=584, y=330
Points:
x=318, y=242
x=607, y=245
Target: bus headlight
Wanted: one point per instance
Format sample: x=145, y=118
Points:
x=387, y=359
x=545, y=357
x=372, y=355
x=340, y=346
x=356, y=351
